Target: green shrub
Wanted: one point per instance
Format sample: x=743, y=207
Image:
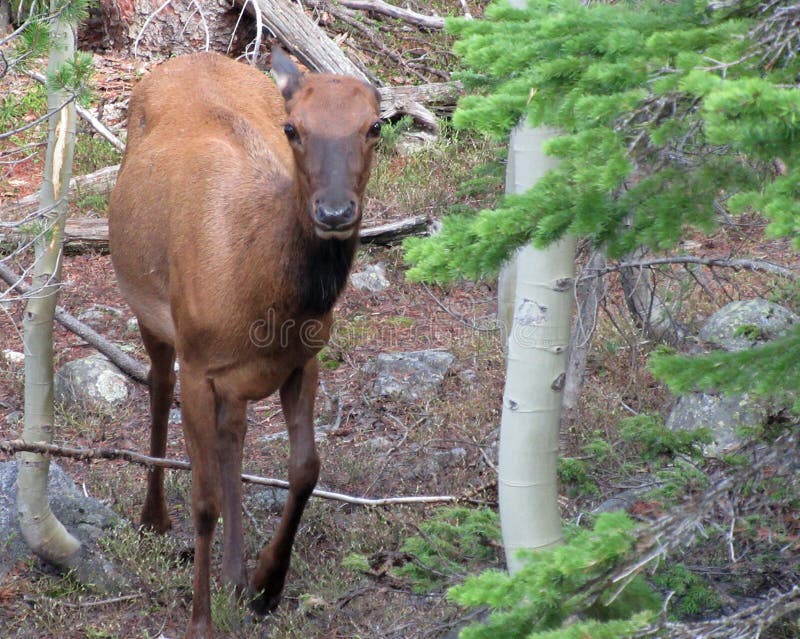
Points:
x=448, y=545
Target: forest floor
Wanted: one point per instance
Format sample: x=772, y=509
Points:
x=344, y=580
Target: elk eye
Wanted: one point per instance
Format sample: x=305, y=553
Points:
x=374, y=130
x=291, y=133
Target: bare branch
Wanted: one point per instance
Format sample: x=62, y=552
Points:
x=122, y=360
x=98, y=126
x=38, y=120
x=711, y=262
x=87, y=454
x=747, y=623
x=399, y=13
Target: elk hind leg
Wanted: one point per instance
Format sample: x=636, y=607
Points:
x=162, y=384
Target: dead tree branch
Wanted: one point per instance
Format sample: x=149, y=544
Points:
x=754, y=265
x=98, y=126
x=684, y=521
x=399, y=13
x=88, y=454
x=589, y=294
x=298, y=32
x=747, y=623
x=120, y=359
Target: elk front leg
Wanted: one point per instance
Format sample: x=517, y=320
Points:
x=297, y=401
x=231, y=430
x=200, y=430
x=162, y=384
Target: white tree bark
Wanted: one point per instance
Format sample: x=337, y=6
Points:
x=541, y=281
x=45, y=535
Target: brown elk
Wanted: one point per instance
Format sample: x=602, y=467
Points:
x=233, y=225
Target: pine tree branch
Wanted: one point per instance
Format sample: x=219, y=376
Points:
x=86, y=454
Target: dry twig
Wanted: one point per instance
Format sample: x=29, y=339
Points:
x=87, y=454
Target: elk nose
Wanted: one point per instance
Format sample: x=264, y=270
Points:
x=332, y=216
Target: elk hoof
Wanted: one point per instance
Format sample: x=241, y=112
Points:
x=155, y=522
x=264, y=603
x=199, y=631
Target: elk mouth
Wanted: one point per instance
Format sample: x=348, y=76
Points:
x=340, y=232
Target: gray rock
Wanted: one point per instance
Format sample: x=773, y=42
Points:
x=378, y=444
x=132, y=325
x=85, y=518
x=411, y=376
x=741, y=325
x=372, y=279
x=97, y=312
x=626, y=499
x=735, y=327
x=269, y=499
x=414, y=142
x=14, y=418
x=433, y=464
x=92, y=383
x=722, y=415
x=175, y=416
x=14, y=358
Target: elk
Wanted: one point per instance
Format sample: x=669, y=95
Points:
x=233, y=226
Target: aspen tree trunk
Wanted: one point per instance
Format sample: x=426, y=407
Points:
x=45, y=535
x=536, y=360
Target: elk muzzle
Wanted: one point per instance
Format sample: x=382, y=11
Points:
x=335, y=217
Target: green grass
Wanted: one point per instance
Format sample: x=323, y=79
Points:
x=92, y=153
x=15, y=108
x=429, y=181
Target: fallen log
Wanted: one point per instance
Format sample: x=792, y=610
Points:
x=99, y=182
x=317, y=51
x=307, y=41
x=91, y=233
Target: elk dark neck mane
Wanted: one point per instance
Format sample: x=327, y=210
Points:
x=322, y=272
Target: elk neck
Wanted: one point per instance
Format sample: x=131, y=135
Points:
x=317, y=268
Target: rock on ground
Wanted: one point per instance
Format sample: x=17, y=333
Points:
x=13, y=358
x=99, y=313
x=411, y=376
x=86, y=519
x=741, y=325
x=735, y=327
x=723, y=415
x=372, y=279
x=91, y=383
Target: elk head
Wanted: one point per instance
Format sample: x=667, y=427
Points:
x=332, y=126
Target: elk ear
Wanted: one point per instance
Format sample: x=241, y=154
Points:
x=287, y=76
